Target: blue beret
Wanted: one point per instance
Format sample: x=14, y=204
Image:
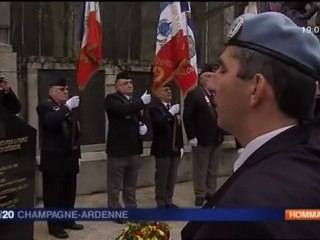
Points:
x=276, y=35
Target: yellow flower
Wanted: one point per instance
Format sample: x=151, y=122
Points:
x=160, y=232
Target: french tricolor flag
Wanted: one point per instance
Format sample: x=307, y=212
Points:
x=91, y=43
x=175, y=57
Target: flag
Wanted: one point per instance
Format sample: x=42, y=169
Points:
x=175, y=56
x=91, y=43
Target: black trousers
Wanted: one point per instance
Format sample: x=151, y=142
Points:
x=59, y=191
x=165, y=179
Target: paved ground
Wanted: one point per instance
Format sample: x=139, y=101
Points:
x=109, y=230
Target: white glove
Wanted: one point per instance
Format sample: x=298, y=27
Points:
x=73, y=102
x=146, y=98
x=174, y=109
x=143, y=129
x=181, y=152
x=193, y=142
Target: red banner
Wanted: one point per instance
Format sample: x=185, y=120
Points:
x=91, y=44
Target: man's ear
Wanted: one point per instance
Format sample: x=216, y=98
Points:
x=258, y=89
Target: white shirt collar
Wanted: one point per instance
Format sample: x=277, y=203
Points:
x=128, y=97
x=255, y=144
x=166, y=103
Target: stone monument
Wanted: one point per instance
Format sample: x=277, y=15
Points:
x=17, y=172
x=17, y=146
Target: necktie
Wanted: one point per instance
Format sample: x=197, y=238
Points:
x=168, y=106
x=211, y=97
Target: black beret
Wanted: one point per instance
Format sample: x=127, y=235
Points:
x=123, y=75
x=208, y=68
x=276, y=35
x=60, y=82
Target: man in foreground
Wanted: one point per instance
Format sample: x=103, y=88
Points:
x=264, y=93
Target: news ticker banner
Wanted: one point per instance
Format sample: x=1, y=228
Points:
x=202, y=214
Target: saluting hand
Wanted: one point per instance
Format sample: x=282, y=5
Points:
x=146, y=98
x=73, y=102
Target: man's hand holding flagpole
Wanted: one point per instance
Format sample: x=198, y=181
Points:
x=175, y=57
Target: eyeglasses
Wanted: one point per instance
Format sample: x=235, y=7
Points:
x=62, y=89
x=126, y=83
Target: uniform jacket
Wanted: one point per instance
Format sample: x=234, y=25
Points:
x=316, y=110
x=163, y=131
x=282, y=173
x=56, y=133
x=198, y=119
x=123, y=137
x=10, y=101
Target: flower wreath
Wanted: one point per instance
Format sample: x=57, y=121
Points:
x=145, y=231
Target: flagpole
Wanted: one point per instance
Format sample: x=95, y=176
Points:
x=74, y=116
x=176, y=118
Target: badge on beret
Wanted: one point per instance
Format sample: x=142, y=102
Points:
x=235, y=27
